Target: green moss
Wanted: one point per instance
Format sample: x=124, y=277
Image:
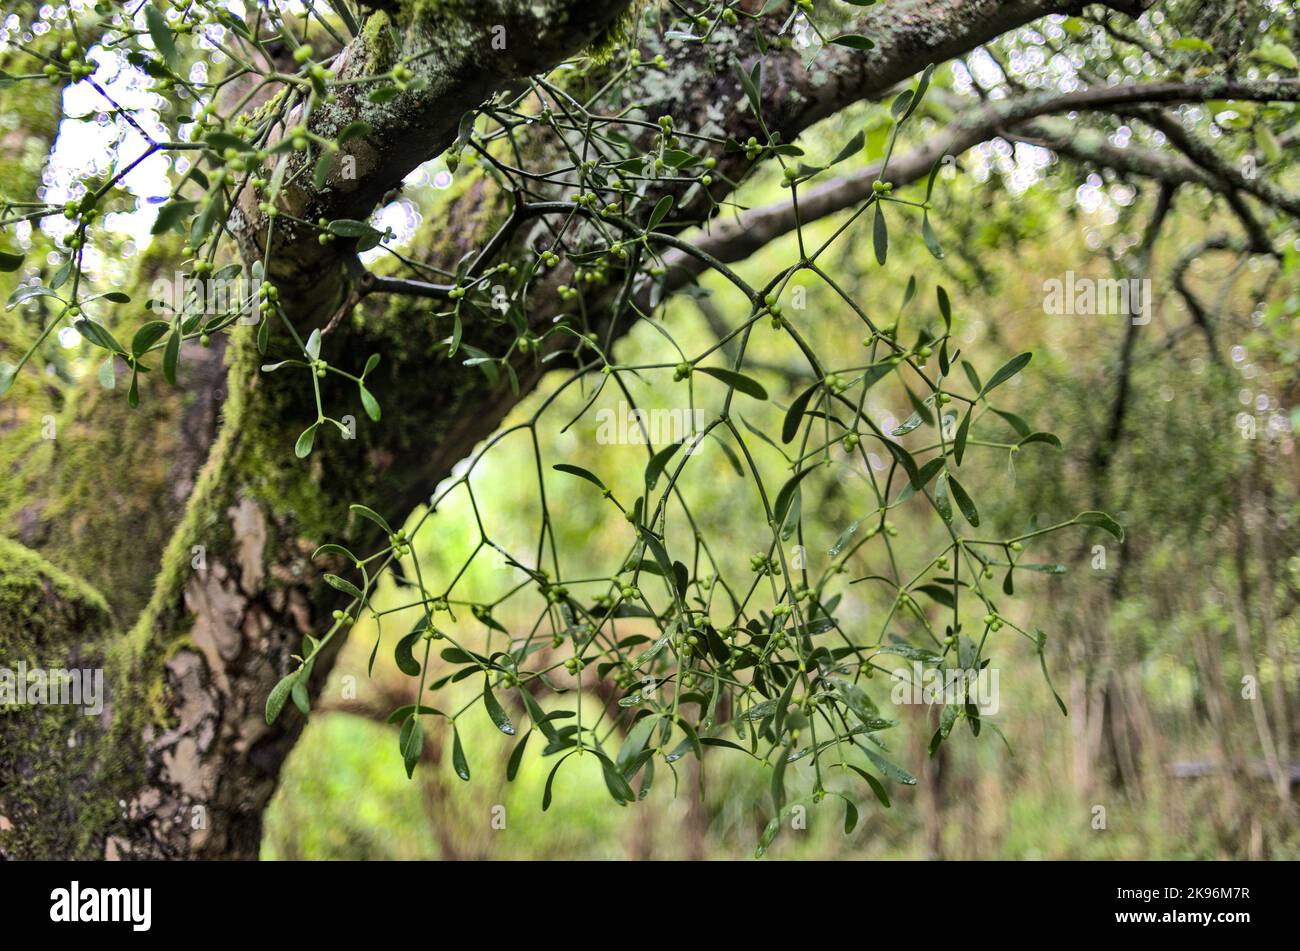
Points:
x=104, y=481
x=111, y=469
x=50, y=620
x=420, y=12
x=272, y=409
x=34, y=594
x=23, y=448
x=619, y=34
x=379, y=42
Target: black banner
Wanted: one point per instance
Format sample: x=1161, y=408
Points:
x=907, y=900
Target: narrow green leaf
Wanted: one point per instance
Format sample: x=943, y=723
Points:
x=495, y=710
x=1006, y=372
x=369, y=513
x=458, y=761
x=901, y=104
x=329, y=548
x=580, y=473
x=279, y=695
x=369, y=403
x=880, y=235
x=208, y=218
x=660, y=212
x=932, y=243
x=536, y=714
x=171, y=215
x=350, y=228
x=615, y=782
x=62, y=274
x=411, y=742
x=354, y=130
x=738, y=381
x=751, y=86
x=320, y=175
x=660, y=554
x=1021, y=427
x=785, y=497
x=342, y=584
x=853, y=41
x=27, y=292
x=147, y=336
x=794, y=415
x=876, y=785
x=964, y=502
x=922, y=85
x=516, y=757
x=849, y=149
x=161, y=34
x=636, y=741
x=171, y=356
x=891, y=770
x=550, y=781
x=928, y=472
x=656, y=464
x=1042, y=663
x=769, y=836
x=404, y=652
x=1101, y=520
x=941, y=500
x=963, y=432
x=1050, y=438
x=904, y=459
x=99, y=335
x=778, y=778
x=302, y=448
